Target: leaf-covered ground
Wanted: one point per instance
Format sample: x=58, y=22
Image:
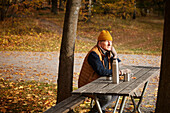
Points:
x=28, y=80
x=24, y=97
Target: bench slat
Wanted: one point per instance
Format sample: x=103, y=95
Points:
x=67, y=104
x=71, y=105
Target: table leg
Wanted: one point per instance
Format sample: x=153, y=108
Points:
x=134, y=104
x=116, y=104
x=137, y=107
x=98, y=105
x=141, y=98
x=122, y=104
x=91, y=104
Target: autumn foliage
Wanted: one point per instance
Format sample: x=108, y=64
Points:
x=29, y=25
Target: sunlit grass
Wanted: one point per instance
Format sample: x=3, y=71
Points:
x=129, y=36
x=43, y=32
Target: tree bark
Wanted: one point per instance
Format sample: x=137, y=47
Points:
x=65, y=78
x=163, y=100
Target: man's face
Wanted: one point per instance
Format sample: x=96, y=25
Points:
x=106, y=45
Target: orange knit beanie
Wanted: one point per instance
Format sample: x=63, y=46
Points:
x=105, y=35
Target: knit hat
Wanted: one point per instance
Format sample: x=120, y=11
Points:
x=105, y=35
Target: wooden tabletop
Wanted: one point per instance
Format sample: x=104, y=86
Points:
x=141, y=74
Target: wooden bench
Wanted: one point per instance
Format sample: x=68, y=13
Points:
x=67, y=105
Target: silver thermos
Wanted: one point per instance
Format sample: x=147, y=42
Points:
x=115, y=71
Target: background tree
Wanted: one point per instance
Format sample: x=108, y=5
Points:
x=158, y=7
x=88, y=9
x=61, y=5
x=66, y=61
x=163, y=101
x=4, y=5
x=49, y=2
x=134, y=13
x=54, y=6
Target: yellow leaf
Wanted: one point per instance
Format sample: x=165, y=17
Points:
x=25, y=103
x=21, y=87
x=29, y=96
x=82, y=105
x=46, y=102
x=149, y=106
x=1, y=79
x=50, y=92
x=35, y=96
x=133, y=77
x=2, y=86
x=15, y=101
x=110, y=109
x=10, y=101
x=40, y=103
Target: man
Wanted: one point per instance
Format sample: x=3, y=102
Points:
x=97, y=63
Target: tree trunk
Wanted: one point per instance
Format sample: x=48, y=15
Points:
x=2, y=10
x=54, y=6
x=134, y=13
x=88, y=9
x=61, y=7
x=4, y=5
x=65, y=77
x=2, y=15
x=49, y=2
x=163, y=100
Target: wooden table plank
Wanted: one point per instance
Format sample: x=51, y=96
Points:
x=91, y=90
x=123, y=85
x=135, y=85
x=110, y=86
x=102, y=86
x=102, y=82
x=87, y=86
x=84, y=88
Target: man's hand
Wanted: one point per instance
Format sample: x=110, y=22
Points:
x=114, y=52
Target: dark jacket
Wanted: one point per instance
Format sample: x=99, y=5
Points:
x=96, y=64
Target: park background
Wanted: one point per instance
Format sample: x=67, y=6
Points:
x=33, y=29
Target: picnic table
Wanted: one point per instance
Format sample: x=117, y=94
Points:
x=102, y=86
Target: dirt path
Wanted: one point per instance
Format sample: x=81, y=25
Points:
x=43, y=66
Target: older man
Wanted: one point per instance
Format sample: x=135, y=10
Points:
x=97, y=63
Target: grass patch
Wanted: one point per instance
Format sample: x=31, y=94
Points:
x=129, y=36
x=83, y=46
x=43, y=32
